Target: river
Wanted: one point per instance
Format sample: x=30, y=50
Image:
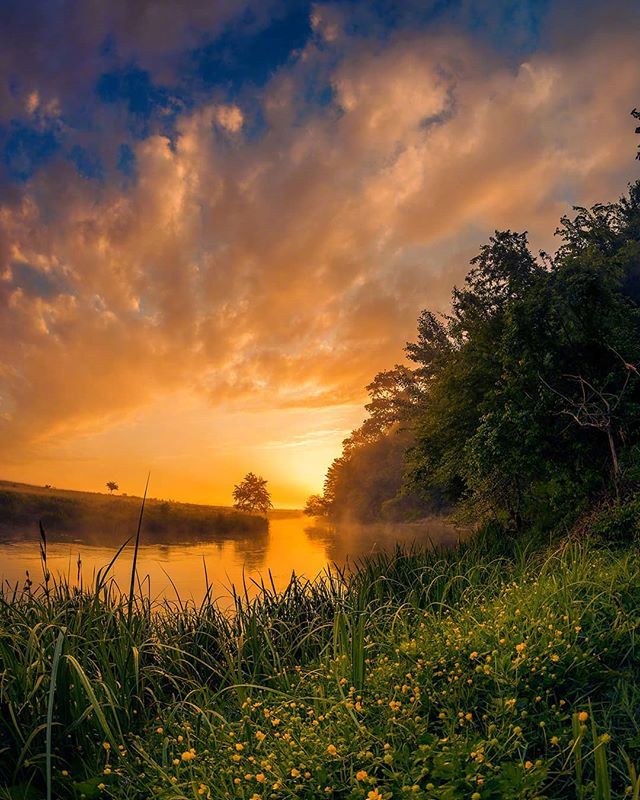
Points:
x=293, y=543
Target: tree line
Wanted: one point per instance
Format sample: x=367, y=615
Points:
x=521, y=404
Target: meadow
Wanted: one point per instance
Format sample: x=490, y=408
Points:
x=93, y=516
x=491, y=670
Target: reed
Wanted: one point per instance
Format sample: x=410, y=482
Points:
x=461, y=673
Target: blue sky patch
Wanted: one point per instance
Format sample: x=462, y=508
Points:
x=88, y=162
x=26, y=148
x=238, y=57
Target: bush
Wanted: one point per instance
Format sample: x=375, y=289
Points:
x=619, y=523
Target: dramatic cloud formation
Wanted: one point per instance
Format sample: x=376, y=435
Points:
x=264, y=246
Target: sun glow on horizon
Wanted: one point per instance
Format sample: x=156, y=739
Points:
x=196, y=454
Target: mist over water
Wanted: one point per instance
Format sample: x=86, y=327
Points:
x=293, y=543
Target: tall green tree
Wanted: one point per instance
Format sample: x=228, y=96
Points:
x=524, y=339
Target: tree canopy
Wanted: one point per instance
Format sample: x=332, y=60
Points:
x=252, y=495
x=522, y=402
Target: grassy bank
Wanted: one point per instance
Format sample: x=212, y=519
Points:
x=482, y=672
x=92, y=516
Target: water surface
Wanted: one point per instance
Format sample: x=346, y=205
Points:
x=293, y=543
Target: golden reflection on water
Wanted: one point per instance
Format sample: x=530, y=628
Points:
x=292, y=544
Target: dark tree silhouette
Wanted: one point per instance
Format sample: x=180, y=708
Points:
x=251, y=494
x=112, y=486
x=316, y=506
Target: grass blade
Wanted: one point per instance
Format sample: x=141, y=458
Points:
x=134, y=565
x=52, y=691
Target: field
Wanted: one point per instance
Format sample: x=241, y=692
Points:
x=90, y=516
x=486, y=671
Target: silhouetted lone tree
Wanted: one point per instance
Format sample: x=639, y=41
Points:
x=251, y=494
x=112, y=486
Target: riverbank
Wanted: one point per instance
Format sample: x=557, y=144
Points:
x=95, y=517
x=481, y=672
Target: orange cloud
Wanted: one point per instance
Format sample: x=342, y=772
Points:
x=281, y=271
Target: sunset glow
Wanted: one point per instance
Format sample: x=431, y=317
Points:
x=214, y=232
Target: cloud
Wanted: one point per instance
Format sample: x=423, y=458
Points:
x=52, y=51
x=229, y=117
x=274, y=252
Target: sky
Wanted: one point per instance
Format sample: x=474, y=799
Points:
x=219, y=220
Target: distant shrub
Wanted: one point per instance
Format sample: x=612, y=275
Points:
x=619, y=523
x=21, y=509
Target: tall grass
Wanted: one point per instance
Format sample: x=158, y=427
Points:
x=88, y=673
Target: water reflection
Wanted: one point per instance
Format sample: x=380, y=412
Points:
x=349, y=542
x=252, y=552
x=292, y=543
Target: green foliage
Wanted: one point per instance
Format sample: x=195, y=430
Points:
x=487, y=671
x=533, y=395
x=523, y=404
x=618, y=522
